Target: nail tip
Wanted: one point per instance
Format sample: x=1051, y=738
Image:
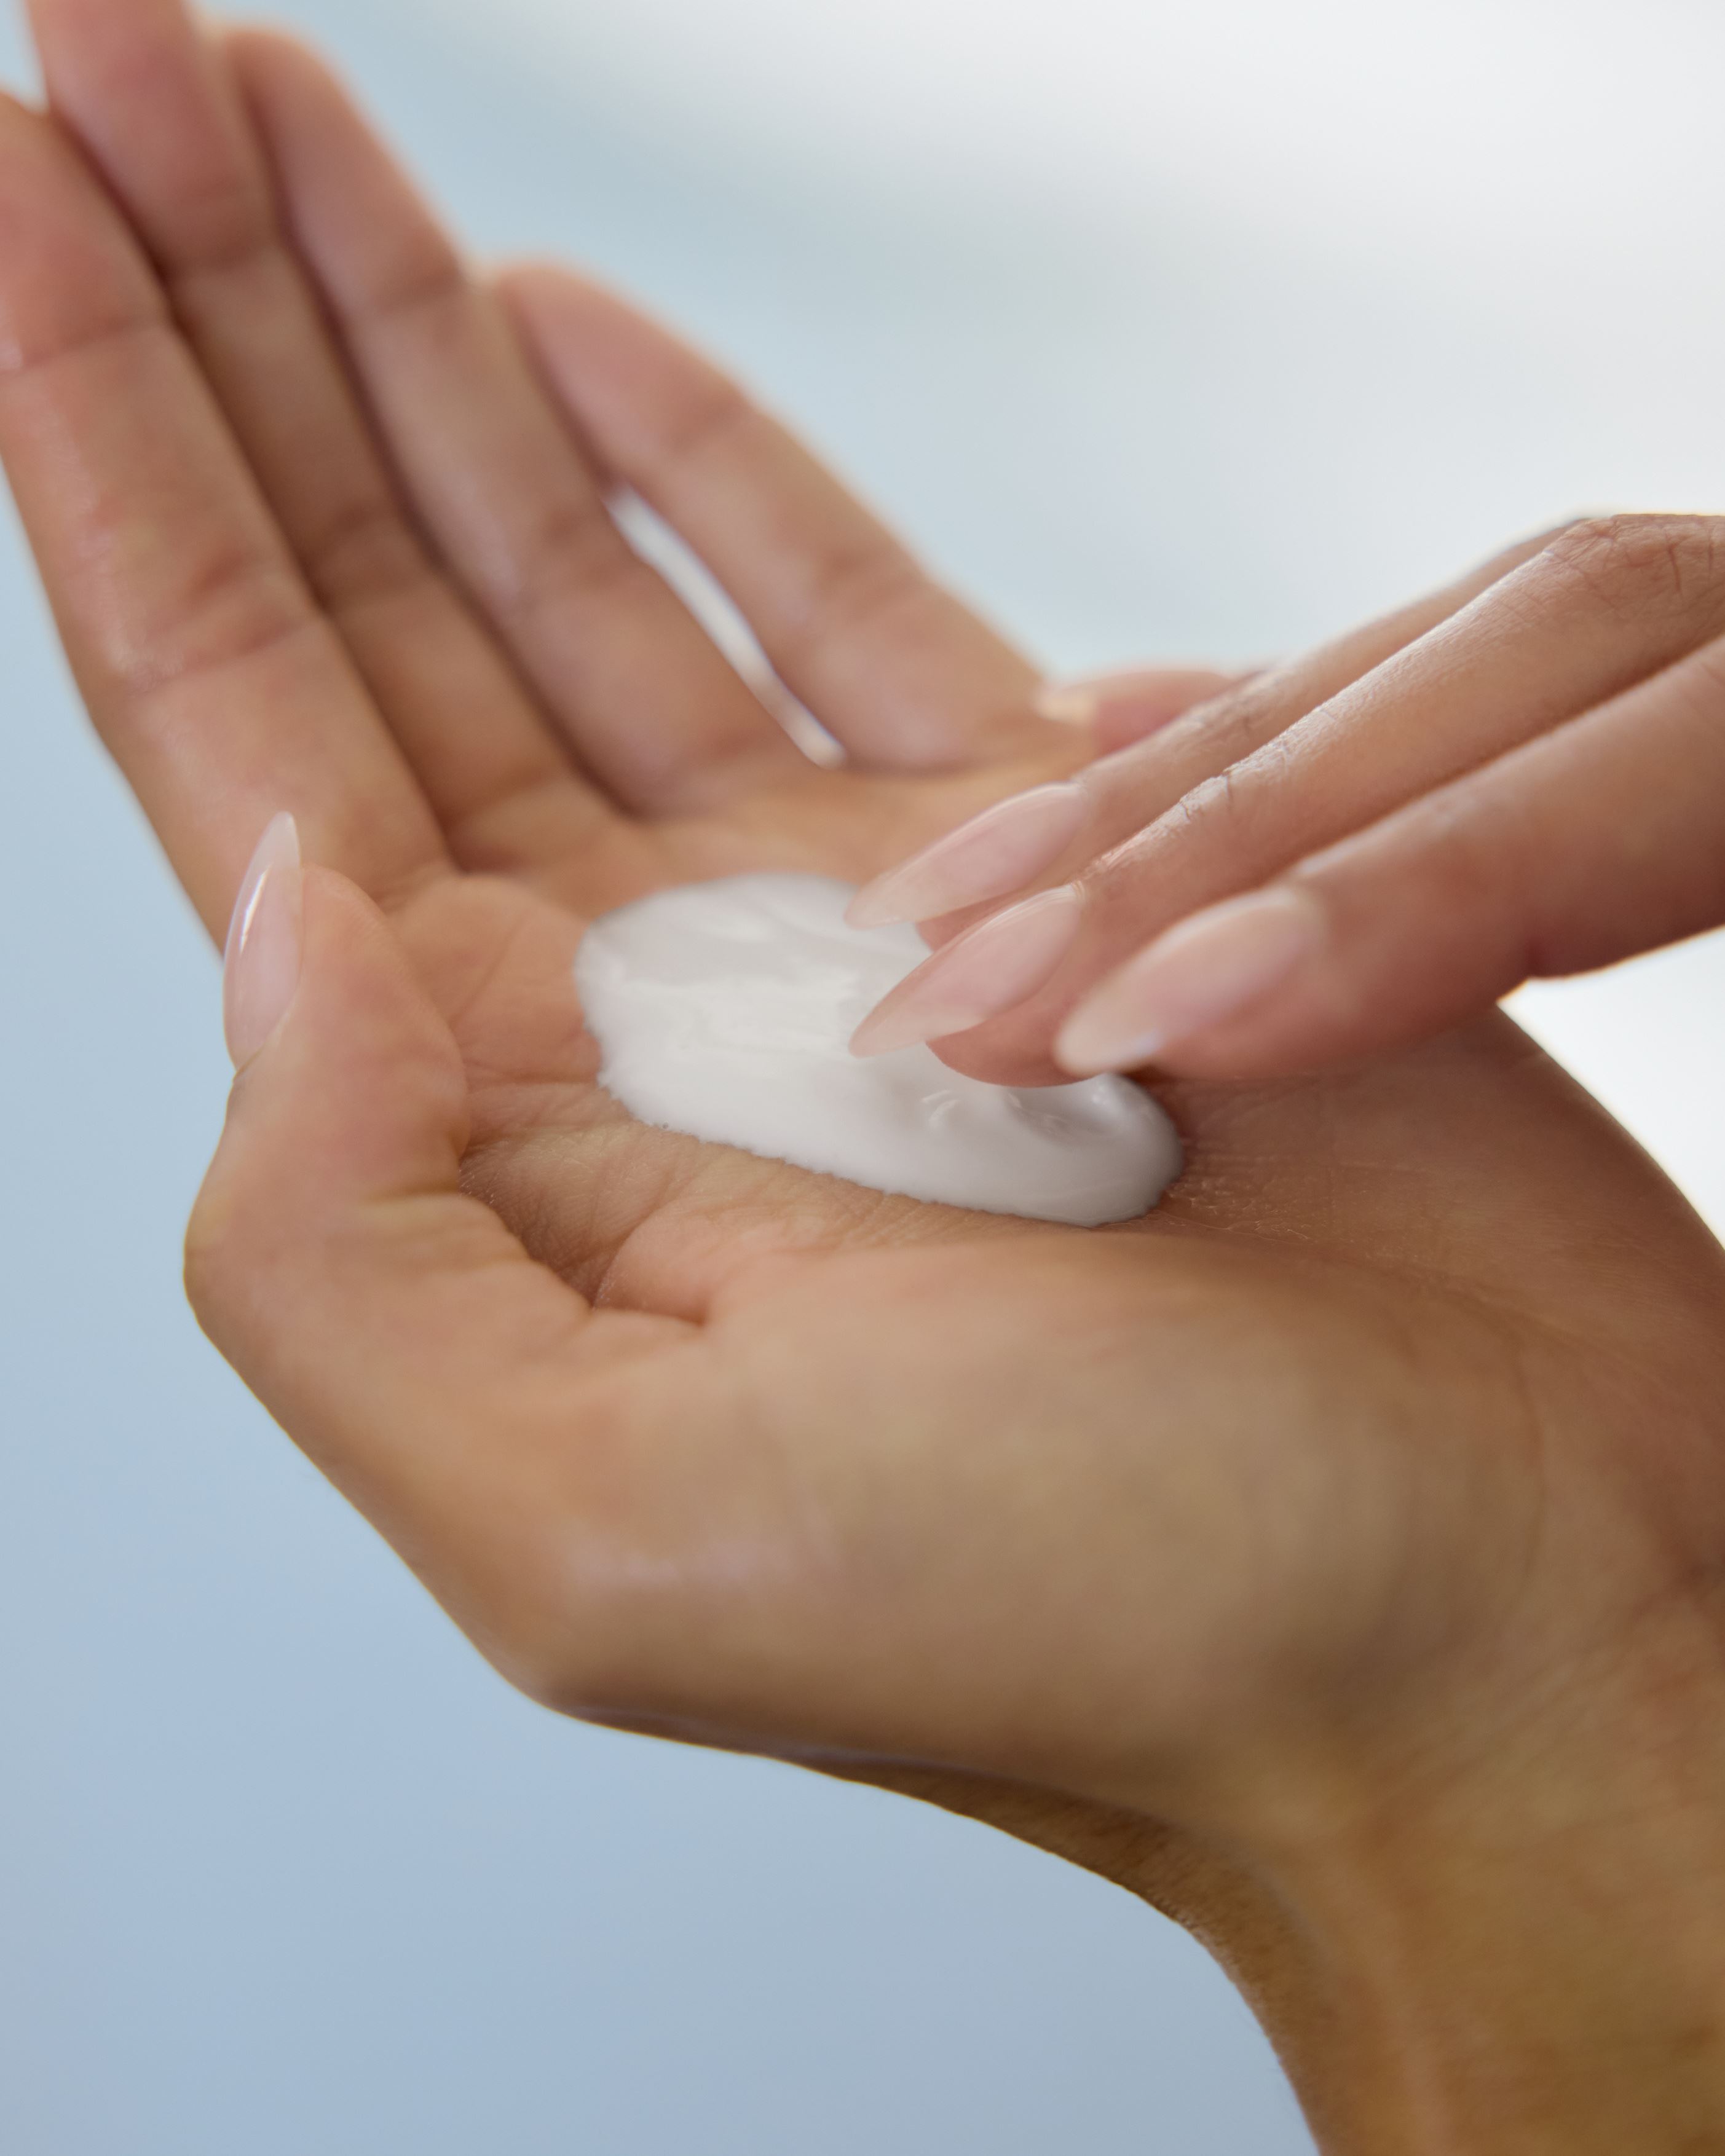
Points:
x=866, y=912
x=244, y=1026
x=866, y=1046
x=1067, y=707
x=279, y=847
x=1073, y=1061
x=992, y=855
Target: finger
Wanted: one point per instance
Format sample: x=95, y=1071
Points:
x=155, y=106
x=654, y=710
x=1046, y=838
x=210, y=674
x=1121, y=709
x=896, y=668
x=1603, y=839
x=1603, y=607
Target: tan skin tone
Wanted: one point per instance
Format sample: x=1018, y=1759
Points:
x=1329, y=1557
x=1520, y=776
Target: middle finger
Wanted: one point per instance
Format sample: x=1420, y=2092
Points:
x=648, y=702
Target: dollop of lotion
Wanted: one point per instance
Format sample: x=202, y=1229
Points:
x=725, y=1010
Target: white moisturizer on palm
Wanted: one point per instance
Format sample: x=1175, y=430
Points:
x=725, y=1010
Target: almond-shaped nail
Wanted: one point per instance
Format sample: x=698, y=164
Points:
x=260, y=969
x=999, y=962
x=1206, y=970
x=1124, y=708
x=1068, y=703
x=988, y=857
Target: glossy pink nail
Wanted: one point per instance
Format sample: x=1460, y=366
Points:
x=999, y=962
x=987, y=858
x=1207, y=970
x=260, y=969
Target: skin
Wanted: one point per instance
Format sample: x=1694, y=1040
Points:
x=1330, y=1557
x=1520, y=777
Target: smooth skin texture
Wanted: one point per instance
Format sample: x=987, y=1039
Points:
x=1522, y=778
x=1332, y=1557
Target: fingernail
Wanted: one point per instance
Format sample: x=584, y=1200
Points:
x=260, y=969
x=1206, y=970
x=986, y=858
x=996, y=965
x=1123, y=708
x=1067, y=703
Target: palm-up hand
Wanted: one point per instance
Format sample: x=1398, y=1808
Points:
x=1250, y=1517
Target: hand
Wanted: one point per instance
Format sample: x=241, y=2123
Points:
x=1303, y=1555
x=1523, y=776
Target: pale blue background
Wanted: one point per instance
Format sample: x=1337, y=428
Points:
x=1207, y=352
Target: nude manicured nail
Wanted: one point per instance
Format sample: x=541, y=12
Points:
x=996, y=965
x=1068, y=703
x=986, y=858
x=1207, y=970
x=260, y=969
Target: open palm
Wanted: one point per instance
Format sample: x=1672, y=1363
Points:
x=688, y=1440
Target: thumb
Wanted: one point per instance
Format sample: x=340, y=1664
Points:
x=392, y=1324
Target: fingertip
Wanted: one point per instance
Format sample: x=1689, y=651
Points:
x=1066, y=704
x=527, y=278
x=990, y=857
x=1205, y=974
x=269, y=45
x=996, y=965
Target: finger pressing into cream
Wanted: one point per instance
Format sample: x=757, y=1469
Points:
x=1055, y=832
x=997, y=964
x=990, y=856
x=1198, y=975
x=1531, y=656
x=1597, y=841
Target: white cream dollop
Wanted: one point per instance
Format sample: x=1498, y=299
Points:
x=725, y=1010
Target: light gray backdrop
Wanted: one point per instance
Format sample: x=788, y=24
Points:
x=1203, y=353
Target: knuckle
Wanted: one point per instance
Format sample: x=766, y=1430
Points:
x=237, y=605
x=1221, y=808
x=710, y=428
x=365, y=552
x=1212, y=801
x=1637, y=565
x=1236, y=723
x=574, y=554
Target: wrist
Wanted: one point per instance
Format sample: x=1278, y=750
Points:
x=1527, y=1955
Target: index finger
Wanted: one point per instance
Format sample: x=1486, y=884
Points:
x=1586, y=846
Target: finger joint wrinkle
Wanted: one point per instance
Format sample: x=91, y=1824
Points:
x=366, y=550
x=440, y=286
x=237, y=614
x=721, y=411
x=575, y=549
x=20, y=362
x=852, y=591
x=197, y=288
